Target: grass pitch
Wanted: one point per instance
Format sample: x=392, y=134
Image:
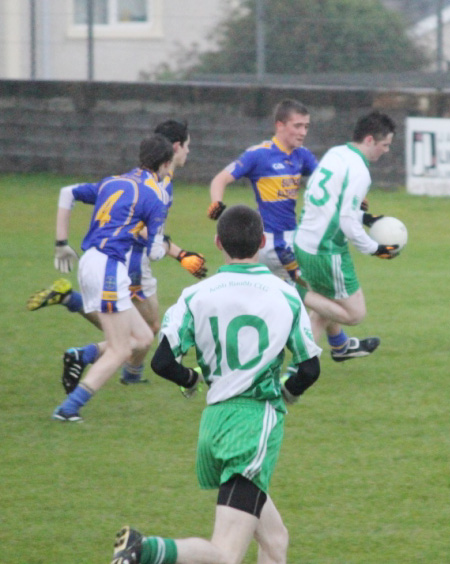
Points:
x=363, y=475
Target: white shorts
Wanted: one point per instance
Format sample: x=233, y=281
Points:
x=104, y=283
x=268, y=256
x=143, y=283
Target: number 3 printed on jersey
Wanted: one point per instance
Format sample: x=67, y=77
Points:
x=324, y=195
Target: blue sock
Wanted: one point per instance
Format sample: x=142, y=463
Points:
x=76, y=399
x=339, y=343
x=89, y=353
x=74, y=301
x=132, y=373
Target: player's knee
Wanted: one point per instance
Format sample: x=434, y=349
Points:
x=356, y=317
x=145, y=341
x=279, y=543
x=275, y=544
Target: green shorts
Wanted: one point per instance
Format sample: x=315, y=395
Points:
x=333, y=276
x=239, y=436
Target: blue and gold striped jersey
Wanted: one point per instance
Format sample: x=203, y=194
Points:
x=275, y=177
x=123, y=205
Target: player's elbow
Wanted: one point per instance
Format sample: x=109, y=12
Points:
x=157, y=252
x=219, y=183
x=311, y=371
x=307, y=374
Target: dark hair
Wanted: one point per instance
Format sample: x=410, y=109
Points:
x=376, y=124
x=284, y=109
x=240, y=230
x=174, y=130
x=154, y=151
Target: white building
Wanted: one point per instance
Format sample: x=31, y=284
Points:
x=425, y=33
x=132, y=38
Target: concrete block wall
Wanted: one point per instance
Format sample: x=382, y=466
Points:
x=94, y=129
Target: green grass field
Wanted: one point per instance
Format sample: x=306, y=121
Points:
x=363, y=476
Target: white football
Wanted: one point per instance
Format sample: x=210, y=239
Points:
x=389, y=231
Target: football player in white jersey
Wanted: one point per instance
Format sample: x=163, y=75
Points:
x=239, y=321
x=331, y=217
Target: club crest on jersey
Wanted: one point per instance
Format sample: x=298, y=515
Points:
x=110, y=283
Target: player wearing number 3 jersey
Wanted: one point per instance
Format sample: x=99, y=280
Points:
x=239, y=321
x=331, y=217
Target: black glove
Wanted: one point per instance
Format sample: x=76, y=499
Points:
x=386, y=251
x=215, y=210
x=369, y=219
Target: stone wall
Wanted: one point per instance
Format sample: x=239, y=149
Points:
x=94, y=129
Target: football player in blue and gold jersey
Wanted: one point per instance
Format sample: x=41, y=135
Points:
x=275, y=169
x=123, y=206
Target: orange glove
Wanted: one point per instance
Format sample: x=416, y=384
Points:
x=215, y=210
x=193, y=262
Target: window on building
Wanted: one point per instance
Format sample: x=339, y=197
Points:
x=117, y=18
x=113, y=12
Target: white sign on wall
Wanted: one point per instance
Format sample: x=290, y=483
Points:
x=428, y=156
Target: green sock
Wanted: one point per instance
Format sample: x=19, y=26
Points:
x=157, y=549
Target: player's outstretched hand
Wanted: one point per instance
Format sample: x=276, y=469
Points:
x=193, y=263
x=215, y=210
x=364, y=205
x=369, y=219
x=65, y=257
x=189, y=393
x=386, y=251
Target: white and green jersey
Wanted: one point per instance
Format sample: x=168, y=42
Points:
x=332, y=214
x=240, y=321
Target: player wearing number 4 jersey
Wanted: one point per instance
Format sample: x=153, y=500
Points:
x=143, y=283
x=239, y=321
x=331, y=217
x=123, y=206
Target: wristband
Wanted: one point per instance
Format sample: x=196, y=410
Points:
x=61, y=243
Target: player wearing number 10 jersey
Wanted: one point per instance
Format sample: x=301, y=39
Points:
x=239, y=321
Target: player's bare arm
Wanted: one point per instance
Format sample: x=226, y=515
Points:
x=217, y=191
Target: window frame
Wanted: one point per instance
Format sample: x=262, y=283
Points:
x=117, y=30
